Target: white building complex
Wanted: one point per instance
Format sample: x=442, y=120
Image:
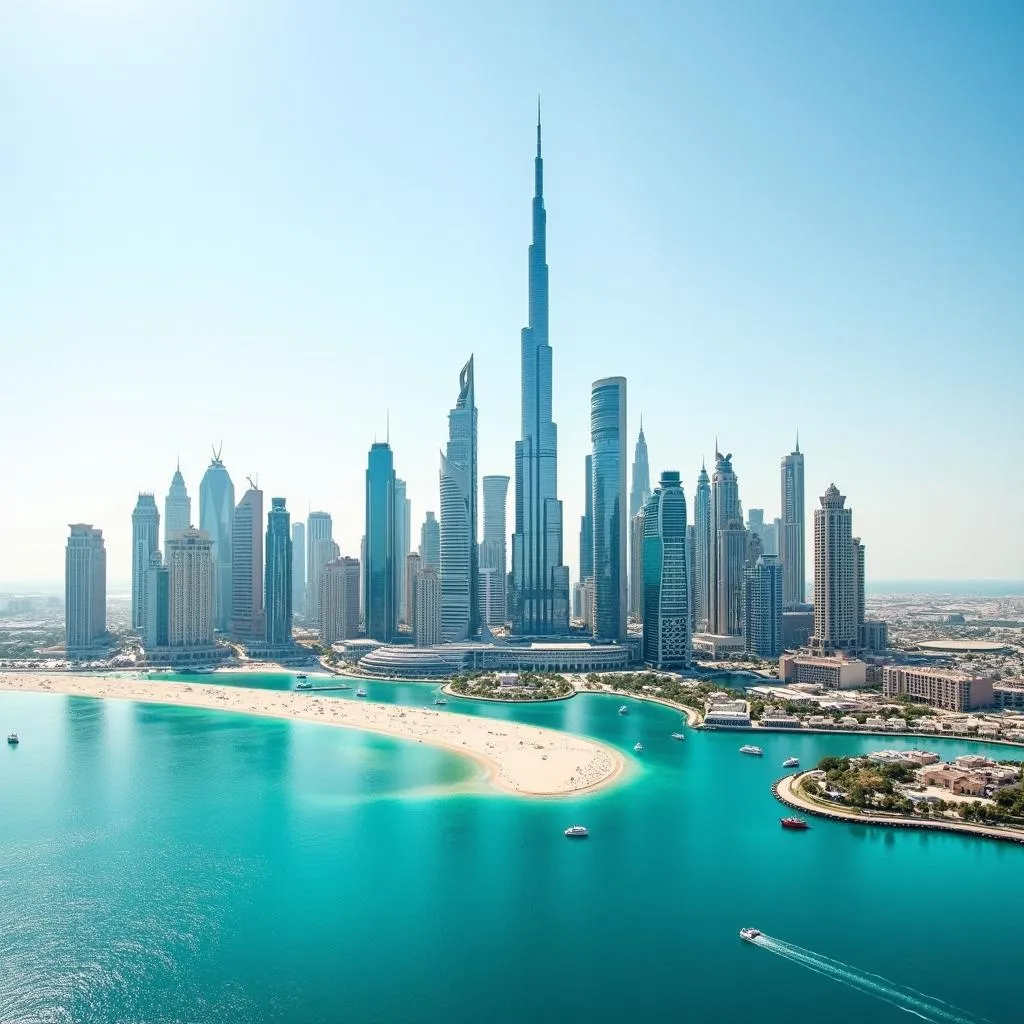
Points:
x=835, y=575
x=190, y=585
x=428, y=607
x=339, y=600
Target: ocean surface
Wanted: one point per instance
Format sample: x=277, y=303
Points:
x=167, y=864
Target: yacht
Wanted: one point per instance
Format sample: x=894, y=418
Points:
x=13, y=739
x=638, y=747
x=749, y=934
x=360, y=692
x=440, y=700
x=749, y=748
x=798, y=824
x=303, y=684
x=679, y=736
x=791, y=762
x=301, y=677
x=577, y=832
x=623, y=710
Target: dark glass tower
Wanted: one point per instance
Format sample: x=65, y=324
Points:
x=540, y=582
x=278, y=574
x=380, y=599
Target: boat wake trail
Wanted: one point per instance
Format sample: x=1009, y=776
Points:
x=901, y=996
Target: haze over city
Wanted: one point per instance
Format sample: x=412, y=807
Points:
x=287, y=233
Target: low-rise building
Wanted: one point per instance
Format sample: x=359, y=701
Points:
x=896, y=724
x=780, y=720
x=820, y=722
x=848, y=722
x=1008, y=697
x=831, y=673
x=714, y=645
x=874, y=722
x=940, y=688
x=719, y=718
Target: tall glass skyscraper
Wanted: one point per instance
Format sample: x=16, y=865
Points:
x=278, y=574
x=762, y=599
x=667, y=635
x=216, y=515
x=728, y=550
x=430, y=542
x=608, y=438
x=247, y=583
x=460, y=588
x=587, y=522
x=703, y=540
x=380, y=601
x=540, y=582
x=493, y=550
x=792, y=541
x=145, y=540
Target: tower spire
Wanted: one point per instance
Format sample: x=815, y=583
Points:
x=538, y=126
x=798, y=441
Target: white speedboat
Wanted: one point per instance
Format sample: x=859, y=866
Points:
x=678, y=736
x=360, y=692
x=749, y=934
x=623, y=710
x=304, y=685
x=440, y=700
x=577, y=832
x=791, y=762
x=638, y=747
x=749, y=748
x=13, y=739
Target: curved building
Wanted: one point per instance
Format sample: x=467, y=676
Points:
x=460, y=590
x=216, y=516
x=666, y=578
x=608, y=438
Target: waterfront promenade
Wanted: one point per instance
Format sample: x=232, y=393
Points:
x=789, y=791
x=517, y=758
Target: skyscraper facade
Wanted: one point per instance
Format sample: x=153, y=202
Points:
x=177, y=507
x=413, y=564
x=587, y=522
x=319, y=526
x=608, y=440
x=540, y=582
x=380, y=602
x=299, y=568
x=639, y=492
x=636, y=565
x=691, y=574
x=430, y=542
x=835, y=574
x=145, y=540
x=791, y=539
x=728, y=550
x=278, y=574
x=858, y=556
x=667, y=637
x=339, y=600
x=703, y=541
x=85, y=589
x=493, y=551
x=762, y=619
x=158, y=608
x=216, y=515
x=428, y=607
x=402, y=512
x=190, y=584
x=247, y=567
x=460, y=589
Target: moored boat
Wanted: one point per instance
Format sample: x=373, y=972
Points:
x=440, y=700
x=301, y=677
x=638, y=747
x=623, y=710
x=678, y=736
x=360, y=692
x=13, y=739
x=798, y=824
x=577, y=832
x=749, y=748
x=791, y=762
x=304, y=684
x=749, y=934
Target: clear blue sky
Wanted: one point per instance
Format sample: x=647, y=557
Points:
x=268, y=222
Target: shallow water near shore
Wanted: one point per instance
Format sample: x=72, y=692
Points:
x=173, y=864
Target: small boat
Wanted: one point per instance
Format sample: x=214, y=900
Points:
x=795, y=823
x=791, y=762
x=360, y=692
x=623, y=710
x=749, y=748
x=304, y=685
x=749, y=934
x=638, y=747
x=678, y=736
x=13, y=739
x=440, y=700
x=301, y=677
x=577, y=832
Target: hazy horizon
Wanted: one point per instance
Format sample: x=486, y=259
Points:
x=284, y=228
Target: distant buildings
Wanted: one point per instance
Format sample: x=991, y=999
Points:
x=190, y=582
x=158, y=605
x=430, y=542
x=339, y=600
x=380, y=602
x=85, y=589
x=413, y=564
x=703, y=539
x=639, y=492
x=216, y=514
x=728, y=551
x=428, y=607
x=319, y=527
x=299, y=568
x=608, y=440
x=762, y=620
x=493, y=554
x=587, y=522
x=835, y=575
x=940, y=688
x=540, y=582
x=636, y=566
x=836, y=673
x=278, y=574
x=177, y=507
x=797, y=629
x=145, y=540
x=403, y=512
x=460, y=589
x=247, y=621
x=791, y=541
x=666, y=604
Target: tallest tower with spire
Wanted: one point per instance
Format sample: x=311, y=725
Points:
x=540, y=582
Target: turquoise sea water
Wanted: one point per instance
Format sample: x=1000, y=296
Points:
x=169, y=864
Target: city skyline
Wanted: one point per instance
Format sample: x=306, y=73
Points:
x=193, y=278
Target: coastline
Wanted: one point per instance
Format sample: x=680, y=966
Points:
x=870, y=732
x=447, y=690
x=786, y=793
x=694, y=719
x=516, y=758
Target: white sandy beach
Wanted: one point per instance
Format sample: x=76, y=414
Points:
x=519, y=758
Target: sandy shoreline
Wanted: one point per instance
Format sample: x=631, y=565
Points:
x=518, y=758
